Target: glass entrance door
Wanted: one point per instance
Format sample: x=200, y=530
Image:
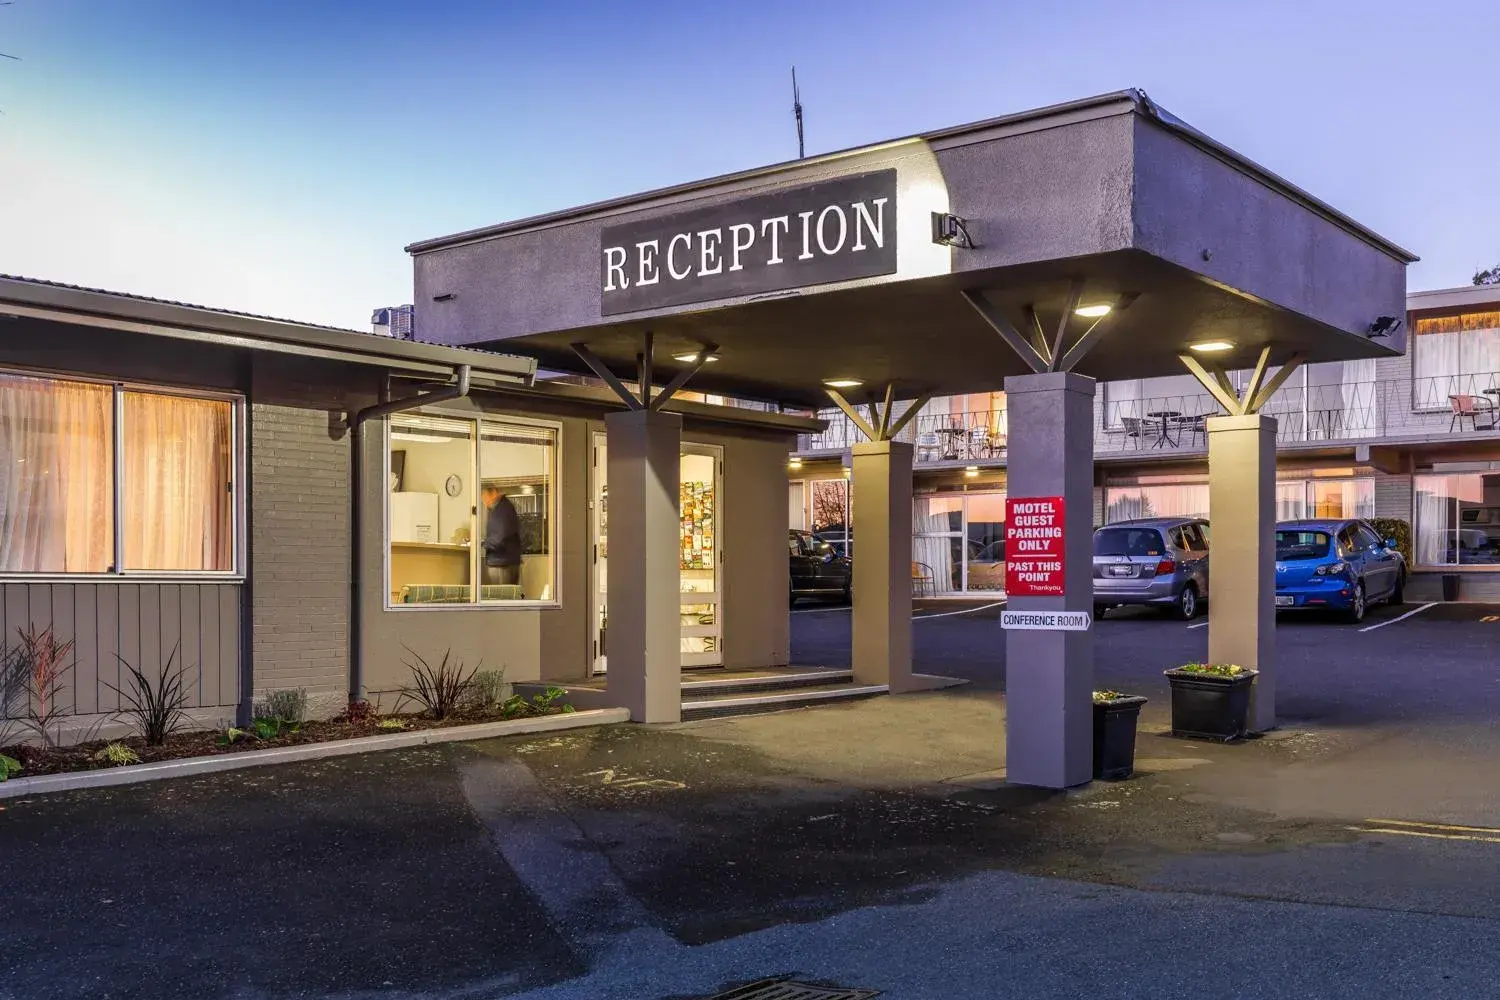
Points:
x=699, y=555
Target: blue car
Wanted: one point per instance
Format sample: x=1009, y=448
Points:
x=1341, y=565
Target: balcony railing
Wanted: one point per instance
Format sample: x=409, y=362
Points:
x=1463, y=405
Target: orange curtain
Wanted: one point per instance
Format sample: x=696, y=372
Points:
x=177, y=489
x=56, y=467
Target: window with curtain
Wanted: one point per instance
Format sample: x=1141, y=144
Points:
x=1454, y=355
x=1458, y=520
x=59, y=442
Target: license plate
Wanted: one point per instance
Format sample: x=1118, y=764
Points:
x=1286, y=601
x=1119, y=571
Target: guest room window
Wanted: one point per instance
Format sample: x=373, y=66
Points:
x=108, y=479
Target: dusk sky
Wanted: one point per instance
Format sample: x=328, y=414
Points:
x=275, y=156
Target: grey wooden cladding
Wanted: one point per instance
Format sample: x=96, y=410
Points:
x=141, y=622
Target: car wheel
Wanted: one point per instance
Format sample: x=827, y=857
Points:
x=1187, y=603
x=1356, y=611
x=1398, y=595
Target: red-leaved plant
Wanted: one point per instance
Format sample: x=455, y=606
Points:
x=45, y=664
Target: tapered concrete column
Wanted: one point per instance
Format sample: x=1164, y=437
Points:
x=1049, y=676
x=645, y=634
x=882, y=564
x=1242, y=581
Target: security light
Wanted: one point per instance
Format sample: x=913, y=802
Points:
x=843, y=383
x=1094, y=311
x=1212, y=346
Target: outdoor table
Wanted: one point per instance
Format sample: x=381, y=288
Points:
x=950, y=436
x=1162, y=439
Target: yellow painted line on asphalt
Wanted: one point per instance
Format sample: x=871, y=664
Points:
x=1495, y=830
x=1425, y=833
x=1490, y=618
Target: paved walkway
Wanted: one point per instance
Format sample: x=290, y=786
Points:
x=872, y=844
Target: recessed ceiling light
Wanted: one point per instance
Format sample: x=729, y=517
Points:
x=1095, y=310
x=692, y=356
x=843, y=383
x=971, y=471
x=795, y=463
x=1212, y=346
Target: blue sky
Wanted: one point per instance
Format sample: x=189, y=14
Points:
x=276, y=155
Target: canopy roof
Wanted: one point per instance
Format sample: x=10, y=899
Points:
x=1109, y=200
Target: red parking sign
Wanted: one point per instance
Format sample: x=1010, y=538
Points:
x=1034, y=547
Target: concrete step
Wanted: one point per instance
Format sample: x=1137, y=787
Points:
x=702, y=705
x=693, y=685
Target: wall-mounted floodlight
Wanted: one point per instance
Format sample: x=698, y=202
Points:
x=951, y=231
x=1384, y=326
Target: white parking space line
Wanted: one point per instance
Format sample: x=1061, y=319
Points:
x=1202, y=624
x=963, y=611
x=1392, y=621
x=820, y=611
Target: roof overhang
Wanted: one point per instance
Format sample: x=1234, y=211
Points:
x=1110, y=196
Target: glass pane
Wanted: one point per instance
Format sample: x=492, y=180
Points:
x=986, y=516
x=1125, y=503
x=178, y=491
x=516, y=464
x=432, y=502
x=1478, y=535
x=56, y=476
x=1435, y=518
x=830, y=513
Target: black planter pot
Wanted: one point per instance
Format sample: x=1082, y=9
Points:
x=1210, y=707
x=1114, y=737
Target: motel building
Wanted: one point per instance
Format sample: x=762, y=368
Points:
x=294, y=506
x=1414, y=436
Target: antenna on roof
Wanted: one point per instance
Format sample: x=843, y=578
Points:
x=797, y=113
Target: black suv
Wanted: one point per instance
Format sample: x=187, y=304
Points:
x=817, y=571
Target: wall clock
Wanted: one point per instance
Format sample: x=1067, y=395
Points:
x=454, y=486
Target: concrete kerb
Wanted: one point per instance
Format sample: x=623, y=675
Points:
x=187, y=766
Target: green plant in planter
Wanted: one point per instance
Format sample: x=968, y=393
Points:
x=1226, y=670
x=1105, y=697
x=8, y=767
x=116, y=755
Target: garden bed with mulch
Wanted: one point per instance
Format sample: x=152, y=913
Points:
x=39, y=760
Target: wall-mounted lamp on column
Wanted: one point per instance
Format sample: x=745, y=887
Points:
x=1384, y=326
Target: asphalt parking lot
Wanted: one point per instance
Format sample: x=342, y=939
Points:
x=1407, y=663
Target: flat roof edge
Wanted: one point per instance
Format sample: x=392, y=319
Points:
x=123, y=308
x=1128, y=99
x=1161, y=116
x=1448, y=298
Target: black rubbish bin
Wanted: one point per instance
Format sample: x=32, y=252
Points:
x=1450, y=586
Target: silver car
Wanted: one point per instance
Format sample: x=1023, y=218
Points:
x=1157, y=561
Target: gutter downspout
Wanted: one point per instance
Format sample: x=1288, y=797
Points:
x=356, y=506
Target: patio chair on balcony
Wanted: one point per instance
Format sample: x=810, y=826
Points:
x=923, y=583
x=1194, y=428
x=1477, y=410
x=981, y=443
x=928, y=446
x=1135, y=430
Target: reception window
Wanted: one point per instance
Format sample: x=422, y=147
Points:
x=105, y=479
x=471, y=511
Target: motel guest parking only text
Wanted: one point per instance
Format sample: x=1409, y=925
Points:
x=1034, y=547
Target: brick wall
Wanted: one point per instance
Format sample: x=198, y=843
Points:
x=1393, y=497
x=300, y=551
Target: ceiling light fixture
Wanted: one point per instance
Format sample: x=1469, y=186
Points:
x=692, y=356
x=1095, y=311
x=1212, y=346
x=843, y=383
x=971, y=471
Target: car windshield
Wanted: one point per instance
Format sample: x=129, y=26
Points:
x=1301, y=544
x=1128, y=542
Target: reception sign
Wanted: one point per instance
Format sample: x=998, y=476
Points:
x=834, y=230
x=1034, y=547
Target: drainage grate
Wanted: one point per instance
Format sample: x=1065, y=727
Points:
x=786, y=989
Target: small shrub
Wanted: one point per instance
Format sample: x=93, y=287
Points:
x=44, y=667
x=266, y=728
x=156, y=709
x=1214, y=669
x=288, y=705
x=8, y=767
x=544, y=702
x=116, y=755
x=359, y=712
x=514, y=707
x=441, y=689
x=487, y=693
x=391, y=723
x=231, y=735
